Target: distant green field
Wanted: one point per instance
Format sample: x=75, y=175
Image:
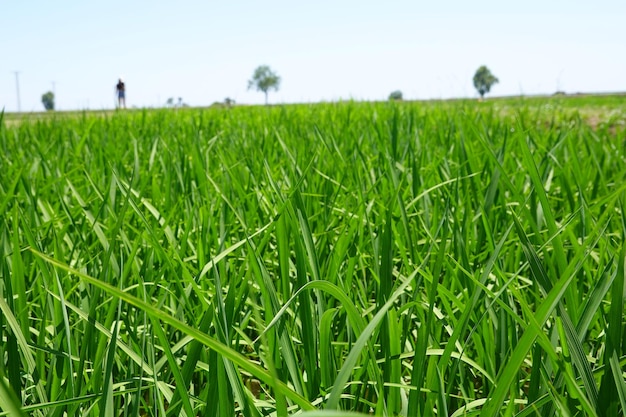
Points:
x=455, y=258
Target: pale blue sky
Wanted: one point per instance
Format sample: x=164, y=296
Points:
x=204, y=51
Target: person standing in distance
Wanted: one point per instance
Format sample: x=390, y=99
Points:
x=120, y=88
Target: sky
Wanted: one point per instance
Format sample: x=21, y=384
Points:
x=327, y=50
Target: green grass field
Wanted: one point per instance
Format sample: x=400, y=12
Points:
x=414, y=259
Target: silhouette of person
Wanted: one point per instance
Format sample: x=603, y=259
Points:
x=120, y=88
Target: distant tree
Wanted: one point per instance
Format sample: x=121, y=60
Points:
x=264, y=79
x=170, y=102
x=180, y=102
x=483, y=80
x=395, y=95
x=48, y=100
x=229, y=102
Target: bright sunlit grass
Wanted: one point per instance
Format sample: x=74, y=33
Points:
x=410, y=259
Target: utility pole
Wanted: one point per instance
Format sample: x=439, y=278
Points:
x=17, y=88
x=558, y=81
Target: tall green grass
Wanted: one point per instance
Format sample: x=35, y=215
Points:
x=389, y=259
